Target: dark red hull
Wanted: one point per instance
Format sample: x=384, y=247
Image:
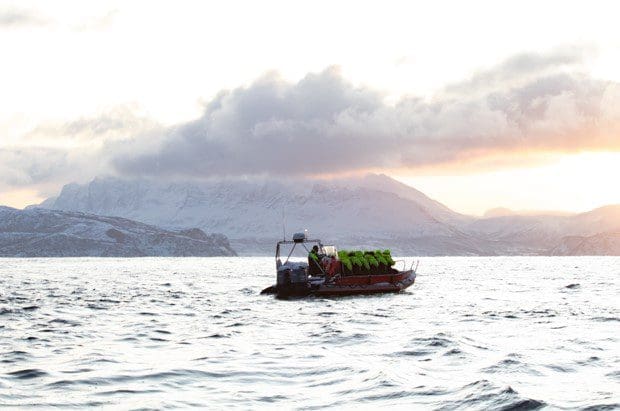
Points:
x=366, y=284
x=347, y=285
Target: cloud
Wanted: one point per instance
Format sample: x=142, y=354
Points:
x=532, y=106
x=20, y=167
x=53, y=154
x=272, y=126
x=30, y=174
x=522, y=67
x=117, y=123
x=37, y=165
x=323, y=124
x=12, y=18
x=98, y=22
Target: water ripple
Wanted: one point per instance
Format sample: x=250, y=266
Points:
x=27, y=374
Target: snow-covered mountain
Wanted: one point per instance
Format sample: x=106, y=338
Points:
x=370, y=211
x=374, y=211
x=520, y=234
x=541, y=233
x=49, y=233
x=547, y=234
x=599, y=244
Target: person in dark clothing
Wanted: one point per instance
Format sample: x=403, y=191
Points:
x=313, y=261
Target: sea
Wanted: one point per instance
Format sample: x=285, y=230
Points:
x=472, y=333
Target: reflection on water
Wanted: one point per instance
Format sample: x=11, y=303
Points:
x=181, y=332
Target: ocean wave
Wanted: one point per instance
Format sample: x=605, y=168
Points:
x=482, y=394
x=27, y=374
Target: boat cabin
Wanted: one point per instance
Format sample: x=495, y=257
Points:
x=297, y=251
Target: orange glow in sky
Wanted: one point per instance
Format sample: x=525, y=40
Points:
x=578, y=182
x=20, y=198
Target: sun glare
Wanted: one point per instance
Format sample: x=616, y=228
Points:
x=574, y=183
x=20, y=198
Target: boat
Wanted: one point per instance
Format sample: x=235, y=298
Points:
x=331, y=275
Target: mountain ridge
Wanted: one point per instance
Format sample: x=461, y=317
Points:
x=57, y=233
x=370, y=211
x=340, y=210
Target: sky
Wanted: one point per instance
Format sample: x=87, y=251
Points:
x=478, y=104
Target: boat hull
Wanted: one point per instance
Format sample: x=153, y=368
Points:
x=367, y=284
x=349, y=285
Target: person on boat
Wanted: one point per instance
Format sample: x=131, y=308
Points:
x=313, y=261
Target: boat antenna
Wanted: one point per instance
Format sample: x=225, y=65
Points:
x=283, y=226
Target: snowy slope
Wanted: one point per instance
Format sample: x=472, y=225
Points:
x=529, y=234
x=46, y=233
x=381, y=182
x=252, y=213
x=599, y=244
x=541, y=233
x=374, y=211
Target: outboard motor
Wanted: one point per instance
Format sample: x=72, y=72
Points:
x=292, y=280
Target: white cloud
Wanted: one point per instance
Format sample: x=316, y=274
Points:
x=117, y=123
x=17, y=17
x=324, y=124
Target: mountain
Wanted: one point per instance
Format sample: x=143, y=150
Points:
x=599, y=244
x=520, y=234
x=600, y=220
x=552, y=233
x=356, y=212
x=383, y=183
x=504, y=212
x=499, y=212
x=374, y=211
x=596, y=232
x=48, y=233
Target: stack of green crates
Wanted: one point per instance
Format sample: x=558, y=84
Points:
x=360, y=262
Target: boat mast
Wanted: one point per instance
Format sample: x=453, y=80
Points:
x=283, y=226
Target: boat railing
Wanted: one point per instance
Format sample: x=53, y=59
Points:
x=400, y=261
x=417, y=263
x=404, y=263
